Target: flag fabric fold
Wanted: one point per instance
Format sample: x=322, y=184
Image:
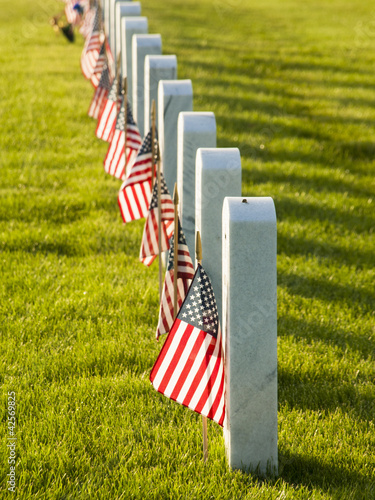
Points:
x=190, y=366
x=119, y=158
x=185, y=273
x=100, y=94
x=110, y=109
x=150, y=239
x=135, y=193
x=91, y=50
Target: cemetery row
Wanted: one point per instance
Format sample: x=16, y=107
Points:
x=158, y=145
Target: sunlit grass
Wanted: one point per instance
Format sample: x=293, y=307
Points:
x=293, y=86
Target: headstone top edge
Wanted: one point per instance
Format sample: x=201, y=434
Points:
x=143, y=38
x=176, y=87
x=161, y=58
x=249, y=209
x=195, y=121
x=134, y=21
x=209, y=153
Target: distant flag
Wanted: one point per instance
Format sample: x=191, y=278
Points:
x=150, y=239
x=99, y=66
x=185, y=275
x=107, y=119
x=117, y=159
x=100, y=94
x=135, y=193
x=91, y=50
x=73, y=12
x=88, y=22
x=190, y=366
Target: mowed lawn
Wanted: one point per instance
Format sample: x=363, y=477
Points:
x=292, y=84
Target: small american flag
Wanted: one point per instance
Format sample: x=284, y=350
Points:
x=107, y=119
x=90, y=53
x=135, y=193
x=150, y=239
x=190, y=366
x=72, y=15
x=99, y=66
x=115, y=162
x=185, y=275
x=100, y=94
x=88, y=22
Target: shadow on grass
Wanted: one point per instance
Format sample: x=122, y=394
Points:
x=312, y=473
x=300, y=182
x=294, y=245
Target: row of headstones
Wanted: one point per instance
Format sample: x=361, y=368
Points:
x=238, y=234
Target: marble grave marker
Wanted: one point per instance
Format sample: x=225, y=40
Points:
x=194, y=130
x=142, y=45
x=250, y=333
x=217, y=175
x=174, y=96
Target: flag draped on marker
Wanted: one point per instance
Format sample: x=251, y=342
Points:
x=135, y=193
x=190, y=366
x=150, y=239
x=185, y=273
x=90, y=53
x=117, y=159
x=107, y=118
x=100, y=94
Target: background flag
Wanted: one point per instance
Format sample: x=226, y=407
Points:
x=116, y=161
x=90, y=53
x=135, y=193
x=190, y=366
x=107, y=119
x=150, y=239
x=185, y=275
x=100, y=94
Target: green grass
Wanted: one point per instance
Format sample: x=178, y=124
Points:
x=292, y=84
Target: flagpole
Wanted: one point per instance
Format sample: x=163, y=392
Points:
x=125, y=94
x=175, y=250
x=198, y=251
x=159, y=221
x=153, y=137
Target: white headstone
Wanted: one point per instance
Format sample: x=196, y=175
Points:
x=123, y=9
x=106, y=15
x=130, y=26
x=217, y=175
x=174, y=96
x=250, y=333
x=112, y=23
x=156, y=68
x=142, y=45
x=194, y=130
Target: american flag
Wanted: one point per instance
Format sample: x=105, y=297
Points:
x=190, y=366
x=150, y=239
x=90, y=53
x=107, y=119
x=88, y=21
x=72, y=15
x=100, y=94
x=135, y=193
x=115, y=162
x=185, y=275
x=99, y=65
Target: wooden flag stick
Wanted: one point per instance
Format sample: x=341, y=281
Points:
x=175, y=250
x=157, y=156
x=125, y=96
x=153, y=137
x=198, y=251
